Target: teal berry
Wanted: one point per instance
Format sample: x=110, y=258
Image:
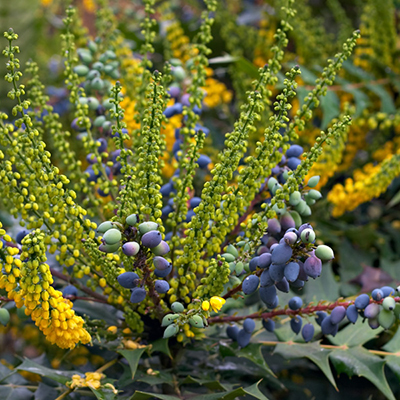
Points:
x=145, y=227
x=324, y=253
x=112, y=236
x=132, y=219
x=307, y=236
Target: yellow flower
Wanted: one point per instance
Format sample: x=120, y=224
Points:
x=205, y=305
x=217, y=303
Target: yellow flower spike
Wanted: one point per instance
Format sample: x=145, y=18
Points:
x=205, y=305
x=217, y=303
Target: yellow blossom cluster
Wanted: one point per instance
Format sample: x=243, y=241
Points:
x=178, y=41
x=216, y=93
x=365, y=185
x=265, y=39
x=29, y=283
x=91, y=380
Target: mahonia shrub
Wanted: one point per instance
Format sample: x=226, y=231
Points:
x=144, y=250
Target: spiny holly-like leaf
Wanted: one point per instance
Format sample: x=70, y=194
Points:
x=10, y=393
x=162, y=346
x=360, y=362
x=133, y=357
x=313, y=351
x=208, y=383
x=138, y=395
x=104, y=394
x=252, y=391
x=325, y=287
x=355, y=335
x=253, y=353
x=393, y=345
x=58, y=376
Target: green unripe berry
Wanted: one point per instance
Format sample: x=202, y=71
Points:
x=109, y=248
x=306, y=212
x=324, y=253
x=132, y=219
x=179, y=73
x=97, y=84
x=4, y=316
x=92, y=46
x=81, y=70
x=313, y=181
x=309, y=200
x=21, y=313
x=112, y=236
x=171, y=330
x=300, y=207
x=93, y=74
x=272, y=182
x=145, y=227
x=177, y=307
x=175, y=62
x=279, y=211
x=397, y=310
x=85, y=56
x=83, y=101
x=239, y=268
x=389, y=303
x=228, y=257
x=169, y=319
x=196, y=321
x=232, y=266
x=314, y=194
x=295, y=198
x=105, y=226
x=107, y=104
x=297, y=219
x=93, y=103
x=98, y=66
x=307, y=236
x=386, y=319
x=232, y=250
x=99, y=121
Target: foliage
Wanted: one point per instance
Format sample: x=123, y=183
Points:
x=145, y=253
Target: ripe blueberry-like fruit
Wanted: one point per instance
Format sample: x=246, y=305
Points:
x=372, y=310
x=387, y=291
x=283, y=285
x=130, y=248
x=276, y=272
x=265, y=279
x=377, y=294
x=163, y=273
x=243, y=338
x=70, y=290
x=307, y=332
x=151, y=239
x=321, y=315
x=268, y=324
x=373, y=323
x=232, y=332
x=281, y=254
x=250, y=284
x=325, y=253
x=160, y=263
x=295, y=324
x=21, y=235
x=138, y=295
x=112, y=236
x=161, y=286
x=274, y=226
x=249, y=325
x=253, y=264
x=352, y=313
x=327, y=327
x=295, y=303
x=264, y=260
x=291, y=271
x=287, y=222
x=203, y=161
x=337, y=314
x=293, y=163
x=294, y=151
x=313, y=267
x=267, y=294
x=290, y=238
x=361, y=301
x=128, y=279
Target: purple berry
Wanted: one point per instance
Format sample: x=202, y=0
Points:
x=130, y=248
x=151, y=239
x=161, y=286
x=161, y=263
x=138, y=295
x=337, y=314
x=128, y=280
x=313, y=267
x=249, y=325
x=307, y=332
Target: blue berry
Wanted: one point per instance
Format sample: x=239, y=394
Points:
x=161, y=286
x=283, y=285
x=337, y=314
x=291, y=271
x=163, y=273
x=372, y=310
x=267, y=294
x=138, y=295
x=295, y=303
x=128, y=280
x=203, y=161
x=287, y=222
x=161, y=263
x=130, y=248
x=249, y=325
x=281, y=254
x=361, y=301
x=70, y=290
x=232, y=332
x=327, y=327
x=313, y=267
x=21, y=235
x=264, y=260
x=307, y=332
x=276, y=272
x=293, y=163
x=295, y=324
x=352, y=313
x=250, y=284
x=294, y=151
x=243, y=338
x=387, y=291
x=321, y=315
x=265, y=279
x=194, y=202
x=253, y=264
x=274, y=226
x=268, y=324
x=377, y=294
x=151, y=239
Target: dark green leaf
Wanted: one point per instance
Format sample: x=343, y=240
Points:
x=360, y=362
x=11, y=376
x=355, y=335
x=138, y=395
x=393, y=345
x=330, y=105
x=393, y=362
x=157, y=379
x=248, y=67
x=313, y=351
x=252, y=391
x=162, y=346
x=46, y=392
x=58, y=376
x=323, y=288
x=103, y=312
x=208, y=383
x=395, y=200
x=253, y=353
x=133, y=357
x=104, y=394
x=387, y=105
x=10, y=393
